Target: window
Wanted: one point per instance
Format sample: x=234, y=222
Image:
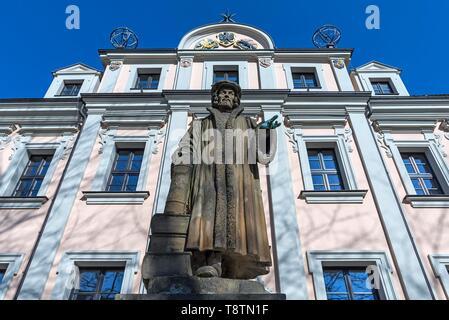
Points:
x=229, y=75
x=32, y=177
x=325, y=171
x=348, y=284
x=98, y=284
x=383, y=87
x=304, y=80
x=148, y=80
x=421, y=174
x=125, y=170
x=71, y=88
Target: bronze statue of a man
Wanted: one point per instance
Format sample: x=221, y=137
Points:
x=215, y=180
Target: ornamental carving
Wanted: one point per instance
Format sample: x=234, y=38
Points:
x=226, y=39
x=339, y=63
x=115, y=65
x=265, y=62
x=186, y=62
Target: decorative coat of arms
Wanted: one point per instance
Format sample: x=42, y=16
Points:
x=226, y=39
x=207, y=44
x=246, y=44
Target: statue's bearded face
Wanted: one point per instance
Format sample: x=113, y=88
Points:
x=226, y=98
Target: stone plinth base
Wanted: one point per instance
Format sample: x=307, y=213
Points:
x=196, y=285
x=195, y=288
x=266, y=296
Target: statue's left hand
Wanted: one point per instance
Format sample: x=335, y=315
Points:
x=270, y=124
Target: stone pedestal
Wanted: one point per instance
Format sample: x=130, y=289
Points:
x=166, y=256
x=167, y=270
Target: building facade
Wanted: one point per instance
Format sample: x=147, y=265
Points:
x=358, y=192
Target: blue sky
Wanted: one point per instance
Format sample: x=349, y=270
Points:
x=413, y=34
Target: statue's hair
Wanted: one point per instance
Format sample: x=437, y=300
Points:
x=236, y=98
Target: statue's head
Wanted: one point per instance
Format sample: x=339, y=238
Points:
x=226, y=95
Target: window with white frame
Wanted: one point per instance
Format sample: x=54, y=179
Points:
x=327, y=171
x=32, y=177
x=125, y=170
x=31, y=169
x=228, y=73
x=382, y=86
x=95, y=275
x=71, y=87
x=121, y=177
x=304, y=79
x=326, y=174
x=305, y=76
x=148, y=79
x=236, y=71
x=421, y=174
x=351, y=275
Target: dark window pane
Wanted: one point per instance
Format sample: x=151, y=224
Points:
x=314, y=164
x=233, y=76
x=318, y=179
x=334, y=179
x=89, y=281
x=132, y=182
x=335, y=281
x=331, y=296
x=121, y=166
x=359, y=282
x=112, y=282
x=116, y=183
x=36, y=186
x=364, y=297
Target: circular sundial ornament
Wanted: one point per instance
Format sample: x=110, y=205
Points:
x=124, y=38
x=326, y=36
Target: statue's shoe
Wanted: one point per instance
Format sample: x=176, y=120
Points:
x=206, y=272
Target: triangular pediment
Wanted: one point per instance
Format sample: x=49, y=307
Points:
x=78, y=68
x=375, y=66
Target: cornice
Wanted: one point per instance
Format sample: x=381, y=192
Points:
x=40, y=115
x=408, y=113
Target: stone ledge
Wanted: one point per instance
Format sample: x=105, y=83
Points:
x=344, y=196
x=108, y=198
x=427, y=201
x=22, y=203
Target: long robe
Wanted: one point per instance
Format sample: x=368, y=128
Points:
x=225, y=201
